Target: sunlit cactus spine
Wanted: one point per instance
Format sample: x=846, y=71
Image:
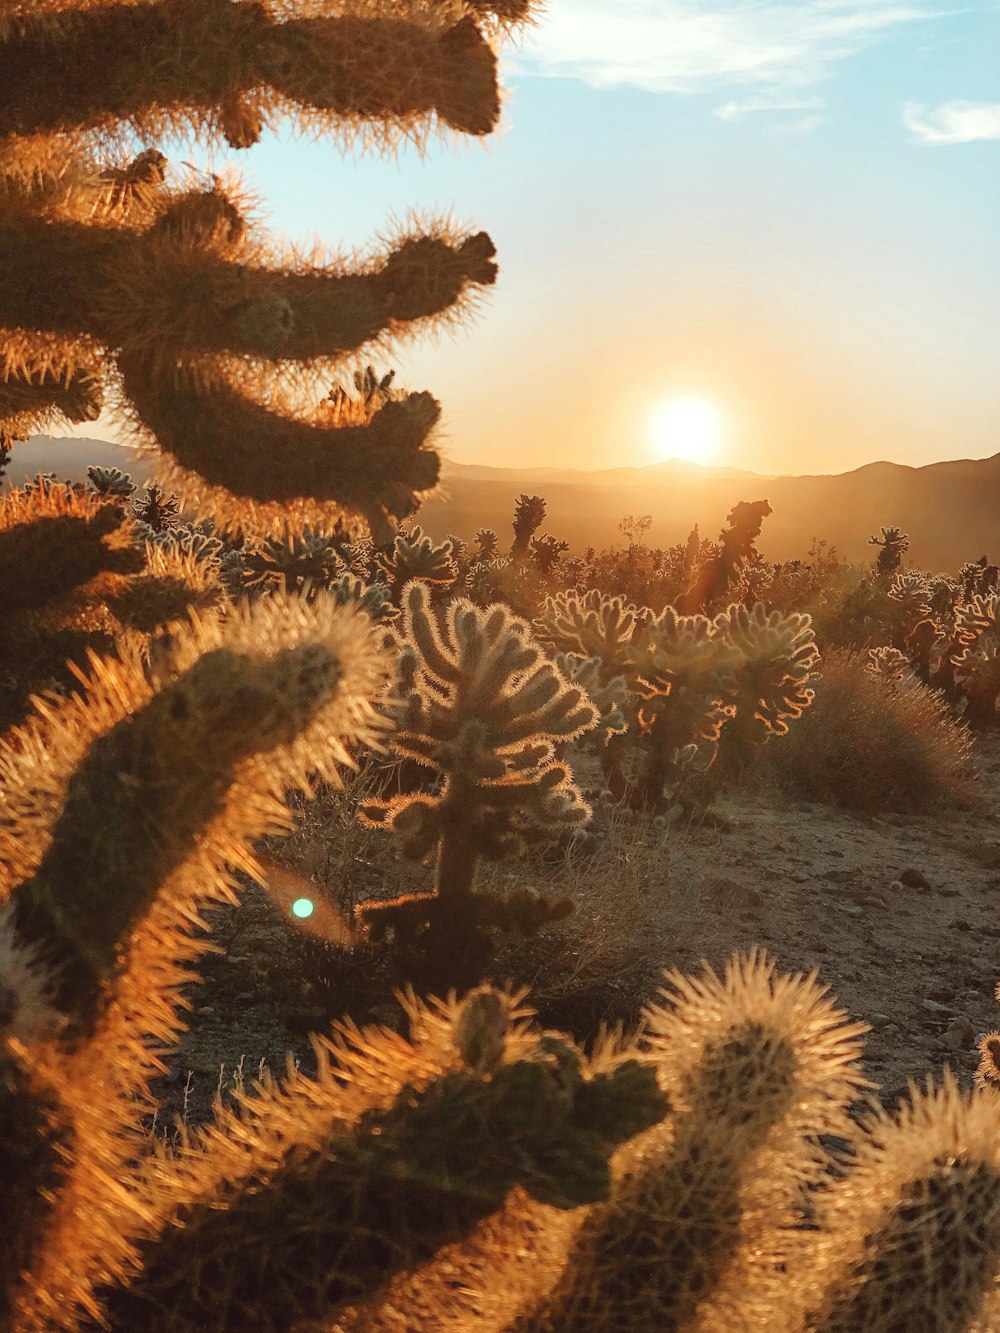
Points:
x=590, y=624
x=910, y=1238
x=777, y=659
x=483, y=711
x=910, y=593
x=700, y=1222
x=682, y=671
x=125, y=810
x=487, y=544
x=168, y=306
x=401, y=1147
x=75, y=577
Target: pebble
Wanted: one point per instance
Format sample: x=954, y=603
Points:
x=959, y=1036
x=914, y=879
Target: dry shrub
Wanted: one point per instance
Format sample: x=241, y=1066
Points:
x=603, y=963
x=872, y=745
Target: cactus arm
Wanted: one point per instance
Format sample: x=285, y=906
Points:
x=226, y=71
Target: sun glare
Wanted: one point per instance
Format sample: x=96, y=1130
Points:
x=688, y=428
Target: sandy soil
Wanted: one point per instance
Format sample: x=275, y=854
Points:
x=898, y=915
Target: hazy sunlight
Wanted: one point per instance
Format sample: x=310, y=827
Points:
x=688, y=428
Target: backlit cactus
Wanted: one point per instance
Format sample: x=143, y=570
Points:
x=777, y=659
x=167, y=305
x=483, y=711
x=910, y=1238
x=414, y=555
x=700, y=1216
x=76, y=577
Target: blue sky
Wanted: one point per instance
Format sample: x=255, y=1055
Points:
x=787, y=207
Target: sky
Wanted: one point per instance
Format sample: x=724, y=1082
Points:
x=787, y=209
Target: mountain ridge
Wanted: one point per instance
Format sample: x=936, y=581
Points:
x=950, y=508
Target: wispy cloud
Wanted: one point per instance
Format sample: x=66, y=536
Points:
x=953, y=122
x=684, y=46
x=737, y=108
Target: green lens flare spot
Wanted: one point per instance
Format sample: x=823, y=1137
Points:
x=303, y=908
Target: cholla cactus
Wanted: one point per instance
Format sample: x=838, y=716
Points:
x=484, y=711
x=610, y=698
x=529, y=515
x=75, y=577
x=921, y=642
x=300, y=558
x=546, y=552
x=419, y=1139
x=979, y=615
x=911, y=1237
x=910, y=593
x=702, y=1207
x=124, y=810
x=373, y=598
x=414, y=555
x=683, y=671
x=487, y=544
x=890, y=664
x=778, y=657
x=156, y=509
x=591, y=625
x=111, y=482
x=717, y=576
x=893, y=544
x=977, y=672
x=166, y=302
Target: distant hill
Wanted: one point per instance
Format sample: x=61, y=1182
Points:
x=70, y=458
x=951, y=510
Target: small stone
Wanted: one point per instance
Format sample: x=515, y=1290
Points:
x=959, y=924
x=729, y=895
x=959, y=1036
x=838, y=876
x=852, y=910
x=914, y=879
x=933, y=1007
x=987, y=854
x=879, y=1020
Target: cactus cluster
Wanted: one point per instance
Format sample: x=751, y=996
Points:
x=948, y=638
x=689, y=687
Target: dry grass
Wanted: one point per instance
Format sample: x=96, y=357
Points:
x=870, y=745
x=603, y=963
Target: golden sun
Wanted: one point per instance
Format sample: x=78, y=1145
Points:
x=688, y=428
